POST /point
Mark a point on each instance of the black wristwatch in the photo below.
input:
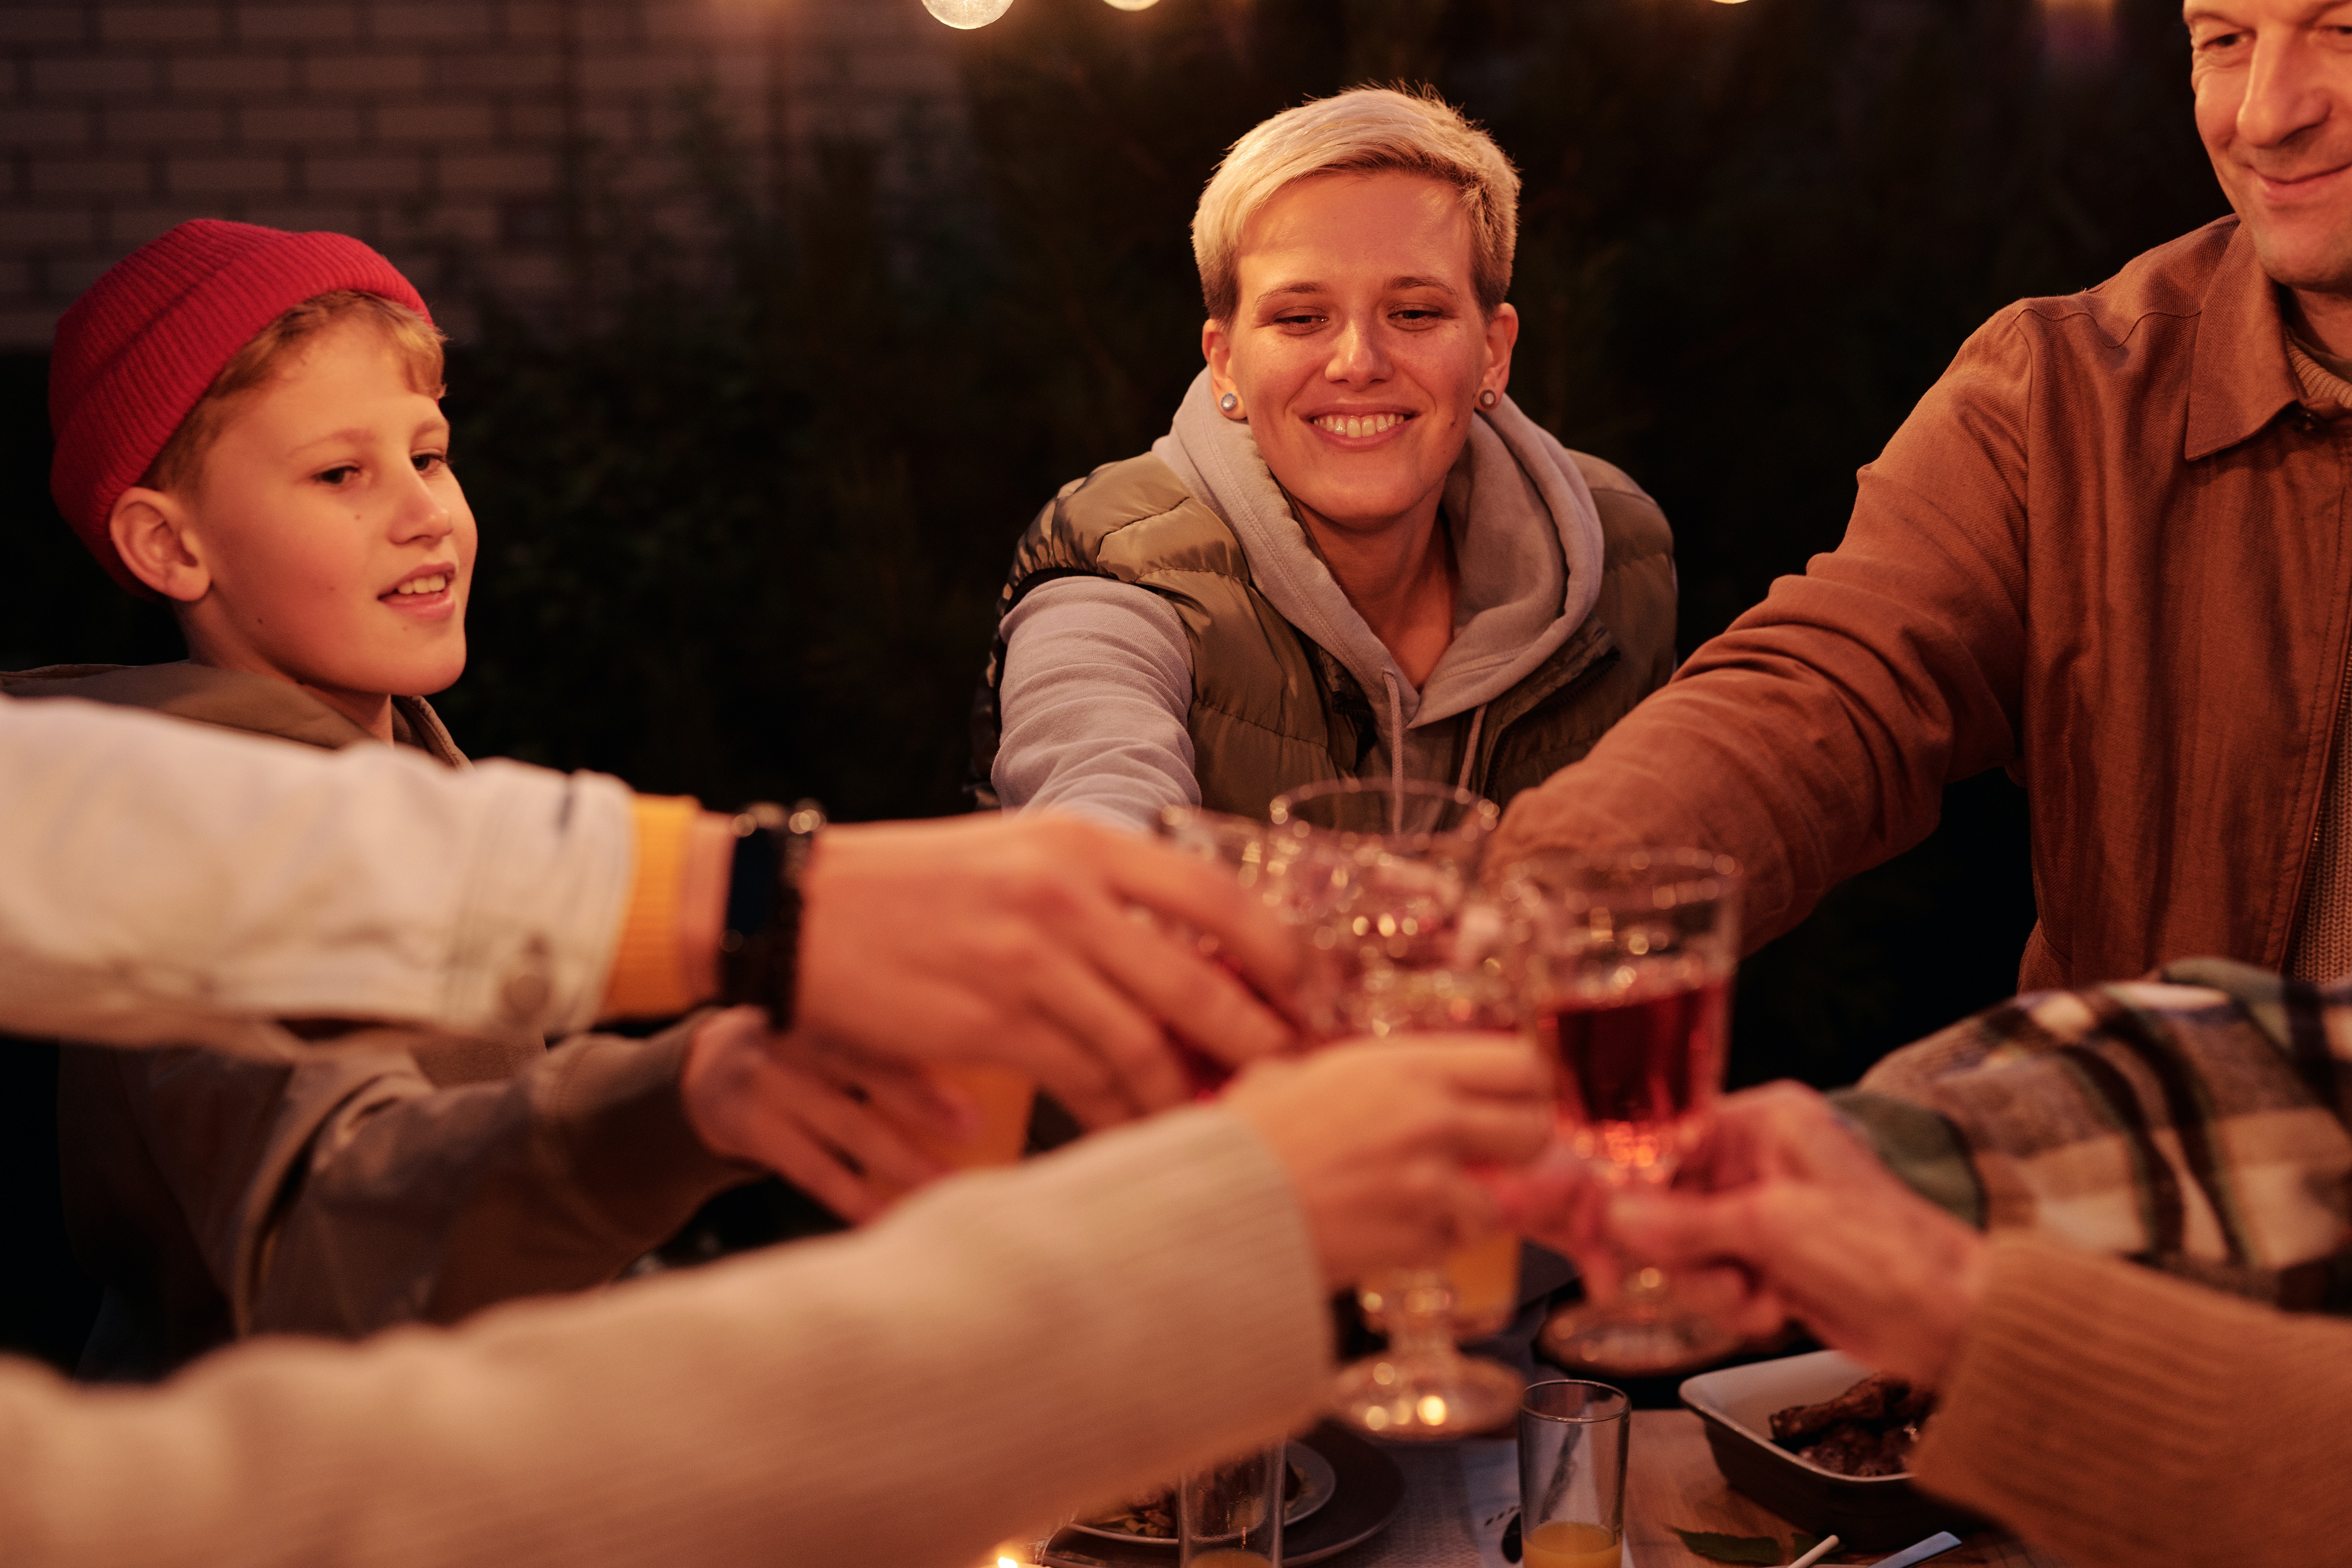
(758, 952)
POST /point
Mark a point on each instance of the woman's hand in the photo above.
(1012, 940)
(1779, 1212)
(828, 1126)
(1382, 1139)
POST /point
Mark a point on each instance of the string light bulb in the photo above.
(967, 14)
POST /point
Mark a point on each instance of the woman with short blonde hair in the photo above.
(1351, 554)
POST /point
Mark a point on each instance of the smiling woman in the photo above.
(1351, 554)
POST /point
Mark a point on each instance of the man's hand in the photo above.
(1015, 939)
(1381, 1140)
(778, 1102)
(1780, 1211)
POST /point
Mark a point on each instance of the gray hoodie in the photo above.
(1097, 675)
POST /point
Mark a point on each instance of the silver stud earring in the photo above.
(1487, 398)
(1229, 402)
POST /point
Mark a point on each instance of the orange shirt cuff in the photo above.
(649, 978)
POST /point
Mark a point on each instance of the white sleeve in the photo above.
(1097, 683)
(166, 881)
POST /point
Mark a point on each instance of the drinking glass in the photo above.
(1004, 1097)
(1572, 1443)
(1626, 962)
(1231, 1517)
(1287, 871)
(1389, 874)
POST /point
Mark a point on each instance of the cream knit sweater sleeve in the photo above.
(1006, 1346)
(2118, 1416)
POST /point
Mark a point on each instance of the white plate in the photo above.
(1316, 1482)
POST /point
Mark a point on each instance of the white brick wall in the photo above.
(433, 129)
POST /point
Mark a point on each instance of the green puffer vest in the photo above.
(1271, 711)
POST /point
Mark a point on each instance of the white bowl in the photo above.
(1870, 1513)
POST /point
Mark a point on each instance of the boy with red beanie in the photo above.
(248, 426)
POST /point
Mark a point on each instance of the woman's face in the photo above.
(1356, 350)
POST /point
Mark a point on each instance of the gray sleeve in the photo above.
(1098, 682)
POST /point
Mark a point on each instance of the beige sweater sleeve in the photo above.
(1005, 1346)
(2122, 1416)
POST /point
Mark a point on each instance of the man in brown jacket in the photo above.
(2108, 552)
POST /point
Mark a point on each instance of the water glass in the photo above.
(1573, 1437)
(1231, 1516)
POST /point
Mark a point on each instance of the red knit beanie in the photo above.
(136, 352)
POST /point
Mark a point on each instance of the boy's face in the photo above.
(336, 544)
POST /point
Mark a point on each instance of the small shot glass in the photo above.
(1572, 1443)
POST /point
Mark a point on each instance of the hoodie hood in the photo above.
(1526, 541)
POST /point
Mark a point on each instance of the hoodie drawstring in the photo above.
(1470, 751)
(1396, 754)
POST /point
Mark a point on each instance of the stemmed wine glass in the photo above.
(1627, 962)
(1383, 877)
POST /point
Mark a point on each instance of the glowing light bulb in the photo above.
(1133, 5)
(967, 12)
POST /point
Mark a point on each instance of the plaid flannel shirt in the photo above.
(2200, 1121)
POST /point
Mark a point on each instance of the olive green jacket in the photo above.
(1271, 711)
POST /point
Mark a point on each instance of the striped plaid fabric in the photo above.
(2197, 1121)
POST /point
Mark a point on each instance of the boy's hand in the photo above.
(1012, 940)
(1381, 1140)
(780, 1103)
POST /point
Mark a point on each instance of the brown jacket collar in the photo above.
(233, 700)
(2240, 378)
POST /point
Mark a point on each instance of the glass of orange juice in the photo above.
(1004, 1097)
(1484, 1277)
(1573, 1436)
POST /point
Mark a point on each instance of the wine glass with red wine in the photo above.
(1628, 961)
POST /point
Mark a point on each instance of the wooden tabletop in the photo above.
(1673, 1481)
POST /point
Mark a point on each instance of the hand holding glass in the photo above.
(1628, 961)
(1391, 872)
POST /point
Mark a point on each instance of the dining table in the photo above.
(1459, 1498)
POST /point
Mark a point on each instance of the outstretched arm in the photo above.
(169, 884)
(1089, 1323)
(1097, 683)
(1813, 739)
(2103, 1409)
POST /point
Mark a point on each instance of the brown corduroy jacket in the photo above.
(2108, 552)
(406, 1175)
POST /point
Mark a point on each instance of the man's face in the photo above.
(2273, 83)
(339, 546)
